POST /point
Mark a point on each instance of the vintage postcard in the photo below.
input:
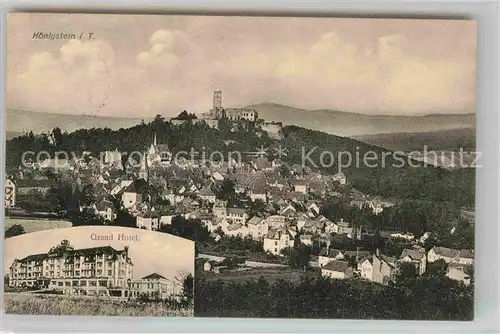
(99, 270)
(322, 167)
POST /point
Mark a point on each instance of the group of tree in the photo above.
(185, 116)
(198, 136)
(187, 228)
(233, 244)
(425, 298)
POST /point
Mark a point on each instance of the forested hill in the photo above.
(389, 175)
(383, 172)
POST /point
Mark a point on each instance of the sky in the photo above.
(143, 65)
(155, 252)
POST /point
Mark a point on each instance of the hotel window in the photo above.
(60, 283)
(77, 273)
(68, 283)
(93, 283)
(99, 272)
(109, 272)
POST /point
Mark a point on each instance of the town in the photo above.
(268, 205)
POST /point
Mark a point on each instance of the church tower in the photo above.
(144, 170)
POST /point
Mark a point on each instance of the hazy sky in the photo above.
(145, 65)
(162, 253)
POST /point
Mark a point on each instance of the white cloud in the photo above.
(165, 50)
(79, 75)
(178, 70)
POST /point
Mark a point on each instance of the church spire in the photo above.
(154, 140)
(144, 171)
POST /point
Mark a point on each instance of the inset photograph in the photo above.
(99, 271)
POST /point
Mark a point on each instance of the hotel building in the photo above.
(98, 271)
(88, 271)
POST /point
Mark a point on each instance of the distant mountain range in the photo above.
(353, 124)
(330, 121)
(450, 140)
(22, 121)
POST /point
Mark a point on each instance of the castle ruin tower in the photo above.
(217, 99)
(218, 110)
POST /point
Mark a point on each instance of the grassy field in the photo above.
(270, 274)
(33, 225)
(30, 304)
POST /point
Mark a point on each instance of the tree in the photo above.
(257, 208)
(407, 273)
(124, 218)
(437, 268)
(298, 257)
(87, 217)
(188, 288)
(14, 230)
(469, 271)
(226, 191)
(185, 116)
(57, 135)
(187, 228)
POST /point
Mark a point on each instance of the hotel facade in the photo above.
(98, 271)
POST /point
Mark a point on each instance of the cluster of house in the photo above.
(98, 271)
(383, 269)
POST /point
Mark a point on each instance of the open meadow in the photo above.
(33, 225)
(31, 304)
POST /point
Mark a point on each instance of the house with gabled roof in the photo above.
(106, 210)
(41, 185)
(135, 193)
(313, 207)
(463, 256)
(237, 215)
(237, 229)
(207, 194)
(365, 267)
(340, 178)
(337, 270)
(277, 240)
(384, 268)
(417, 257)
(258, 191)
(148, 220)
(458, 272)
(262, 163)
(288, 211)
(257, 227)
(317, 187)
(328, 254)
(301, 186)
(276, 221)
(306, 239)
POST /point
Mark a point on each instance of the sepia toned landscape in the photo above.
(321, 167)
